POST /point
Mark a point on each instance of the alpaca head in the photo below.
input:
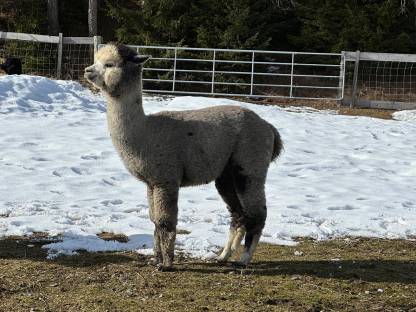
(117, 68)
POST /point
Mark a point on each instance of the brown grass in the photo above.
(336, 275)
(326, 105)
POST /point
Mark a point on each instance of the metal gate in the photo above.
(246, 73)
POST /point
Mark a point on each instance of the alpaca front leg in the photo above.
(156, 239)
(165, 214)
(167, 236)
(157, 250)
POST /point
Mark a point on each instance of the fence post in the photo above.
(59, 65)
(252, 74)
(341, 78)
(97, 42)
(355, 80)
(291, 75)
(174, 70)
(213, 72)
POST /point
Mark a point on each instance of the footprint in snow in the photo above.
(40, 159)
(112, 202)
(130, 210)
(27, 144)
(346, 207)
(106, 182)
(90, 157)
(56, 173)
(292, 207)
(408, 204)
(56, 192)
(308, 151)
(211, 198)
(80, 171)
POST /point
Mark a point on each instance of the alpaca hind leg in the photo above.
(165, 202)
(235, 236)
(241, 231)
(225, 187)
(250, 191)
(251, 240)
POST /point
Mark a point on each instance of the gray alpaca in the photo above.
(168, 150)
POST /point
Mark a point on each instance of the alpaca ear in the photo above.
(141, 59)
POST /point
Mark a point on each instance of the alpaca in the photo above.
(11, 66)
(169, 150)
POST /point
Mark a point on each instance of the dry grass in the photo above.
(336, 275)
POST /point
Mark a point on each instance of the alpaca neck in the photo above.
(125, 114)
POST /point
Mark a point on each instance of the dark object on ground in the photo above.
(12, 66)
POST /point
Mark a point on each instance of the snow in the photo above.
(405, 115)
(338, 176)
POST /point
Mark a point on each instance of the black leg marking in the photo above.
(226, 188)
(240, 180)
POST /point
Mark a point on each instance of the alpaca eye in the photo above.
(108, 65)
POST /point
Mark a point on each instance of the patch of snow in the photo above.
(405, 115)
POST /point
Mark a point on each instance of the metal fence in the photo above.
(376, 80)
(380, 80)
(247, 73)
(51, 56)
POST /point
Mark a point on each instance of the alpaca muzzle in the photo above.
(90, 74)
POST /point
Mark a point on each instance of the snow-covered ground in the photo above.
(338, 176)
(405, 115)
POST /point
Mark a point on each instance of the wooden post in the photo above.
(97, 42)
(355, 80)
(53, 17)
(59, 65)
(92, 17)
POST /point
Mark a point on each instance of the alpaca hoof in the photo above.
(238, 265)
(163, 268)
(156, 261)
(245, 259)
(220, 259)
(223, 257)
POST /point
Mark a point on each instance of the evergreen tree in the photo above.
(204, 23)
(379, 26)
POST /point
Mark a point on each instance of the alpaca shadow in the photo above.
(391, 271)
(27, 248)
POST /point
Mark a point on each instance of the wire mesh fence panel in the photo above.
(75, 57)
(383, 80)
(38, 58)
(50, 56)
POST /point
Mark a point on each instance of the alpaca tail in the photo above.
(278, 144)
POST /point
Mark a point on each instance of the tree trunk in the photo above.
(53, 20)
(92, 17)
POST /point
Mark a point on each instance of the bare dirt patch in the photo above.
(326, 105)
